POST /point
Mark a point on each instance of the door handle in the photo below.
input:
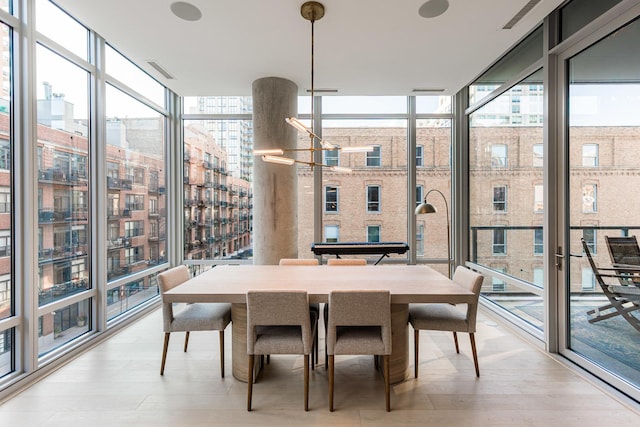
(559, 258)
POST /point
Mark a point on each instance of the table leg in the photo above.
(239, 356)
(399, 360)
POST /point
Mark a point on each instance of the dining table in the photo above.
(407, 284)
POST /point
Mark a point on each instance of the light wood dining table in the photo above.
(407, 284)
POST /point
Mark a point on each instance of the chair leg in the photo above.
(331, 361)
(222, 354)
(416, 345)
(387, 387)
(306, 382)
(250, 382)
(164, 352)
(186, 341)
(475, 354)
(268, 359)
(455, 339)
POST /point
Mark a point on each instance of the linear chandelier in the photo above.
(311, 11)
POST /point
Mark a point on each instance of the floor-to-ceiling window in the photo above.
(603, 171)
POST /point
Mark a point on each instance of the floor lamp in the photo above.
(427, 208)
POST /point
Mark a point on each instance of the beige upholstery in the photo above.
(314, 307)
(298, 261)
(447, 317)
(337, 262)
(359, 323)
(346, 261)
(194, 317)
(279, 322)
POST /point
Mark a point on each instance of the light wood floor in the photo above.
(117, 383)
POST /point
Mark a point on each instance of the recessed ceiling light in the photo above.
(433, 8)
(186, 11)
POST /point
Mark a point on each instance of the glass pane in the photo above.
(128, 73)
(136, 186)
(578, 13)
(6, 182)
(6, 5)
(64, 325)
(128, 296)
(60, 27)
(363, 104)
(433, 104)
(7, 343)
(63, 178)
(217, 187)
(604, 97)
(503, 137)
(509, 66)
(369, 195)
(434, 177)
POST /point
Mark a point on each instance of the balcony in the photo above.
(118, 184)
(120, 242)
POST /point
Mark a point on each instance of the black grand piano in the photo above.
(360, 248)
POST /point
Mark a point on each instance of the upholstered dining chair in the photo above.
(279, 322)
(194, 317)
(314, 307)
(447, 317)
(346, 261)
(337, 262)
(359, 323)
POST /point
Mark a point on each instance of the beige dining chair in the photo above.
(337, 262)
(279, 322)
(194, 317)
(359, 323)
(447, 317)
(346, 261)
(314, 307)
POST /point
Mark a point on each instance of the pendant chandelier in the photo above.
(311, 11)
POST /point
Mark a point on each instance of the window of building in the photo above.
(589, 236)
(420, 240)
(332, 157)
(373, 233)
(499, 156)
(588, 279)
(331, 233)
(419, 155)
(419, 191)
(497, 284)
(590, 155)
(330, 199)
(538, 198)
(5, 155)
(538, 155)
(5, 244)
(538, 241)
(5, 199)
(500, 199)
(499, 242)
(589, 198)
(374, 158)
(538, 277)
(373, 198)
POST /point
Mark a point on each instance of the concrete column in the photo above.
(275, 186)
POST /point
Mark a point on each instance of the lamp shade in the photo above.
(425, 208)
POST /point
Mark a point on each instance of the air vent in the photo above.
(323, 90)
(518, 16)
(423, 90)
(161, 70)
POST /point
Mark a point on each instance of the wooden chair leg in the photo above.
(455, 339)
(250, 382)
(164, 352)
(331, 361)
(416, 345)
(186, 341)
(306, 382)
(387, 387)
(222, 354)
(475, 354)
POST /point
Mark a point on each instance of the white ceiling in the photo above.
(362, 47)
